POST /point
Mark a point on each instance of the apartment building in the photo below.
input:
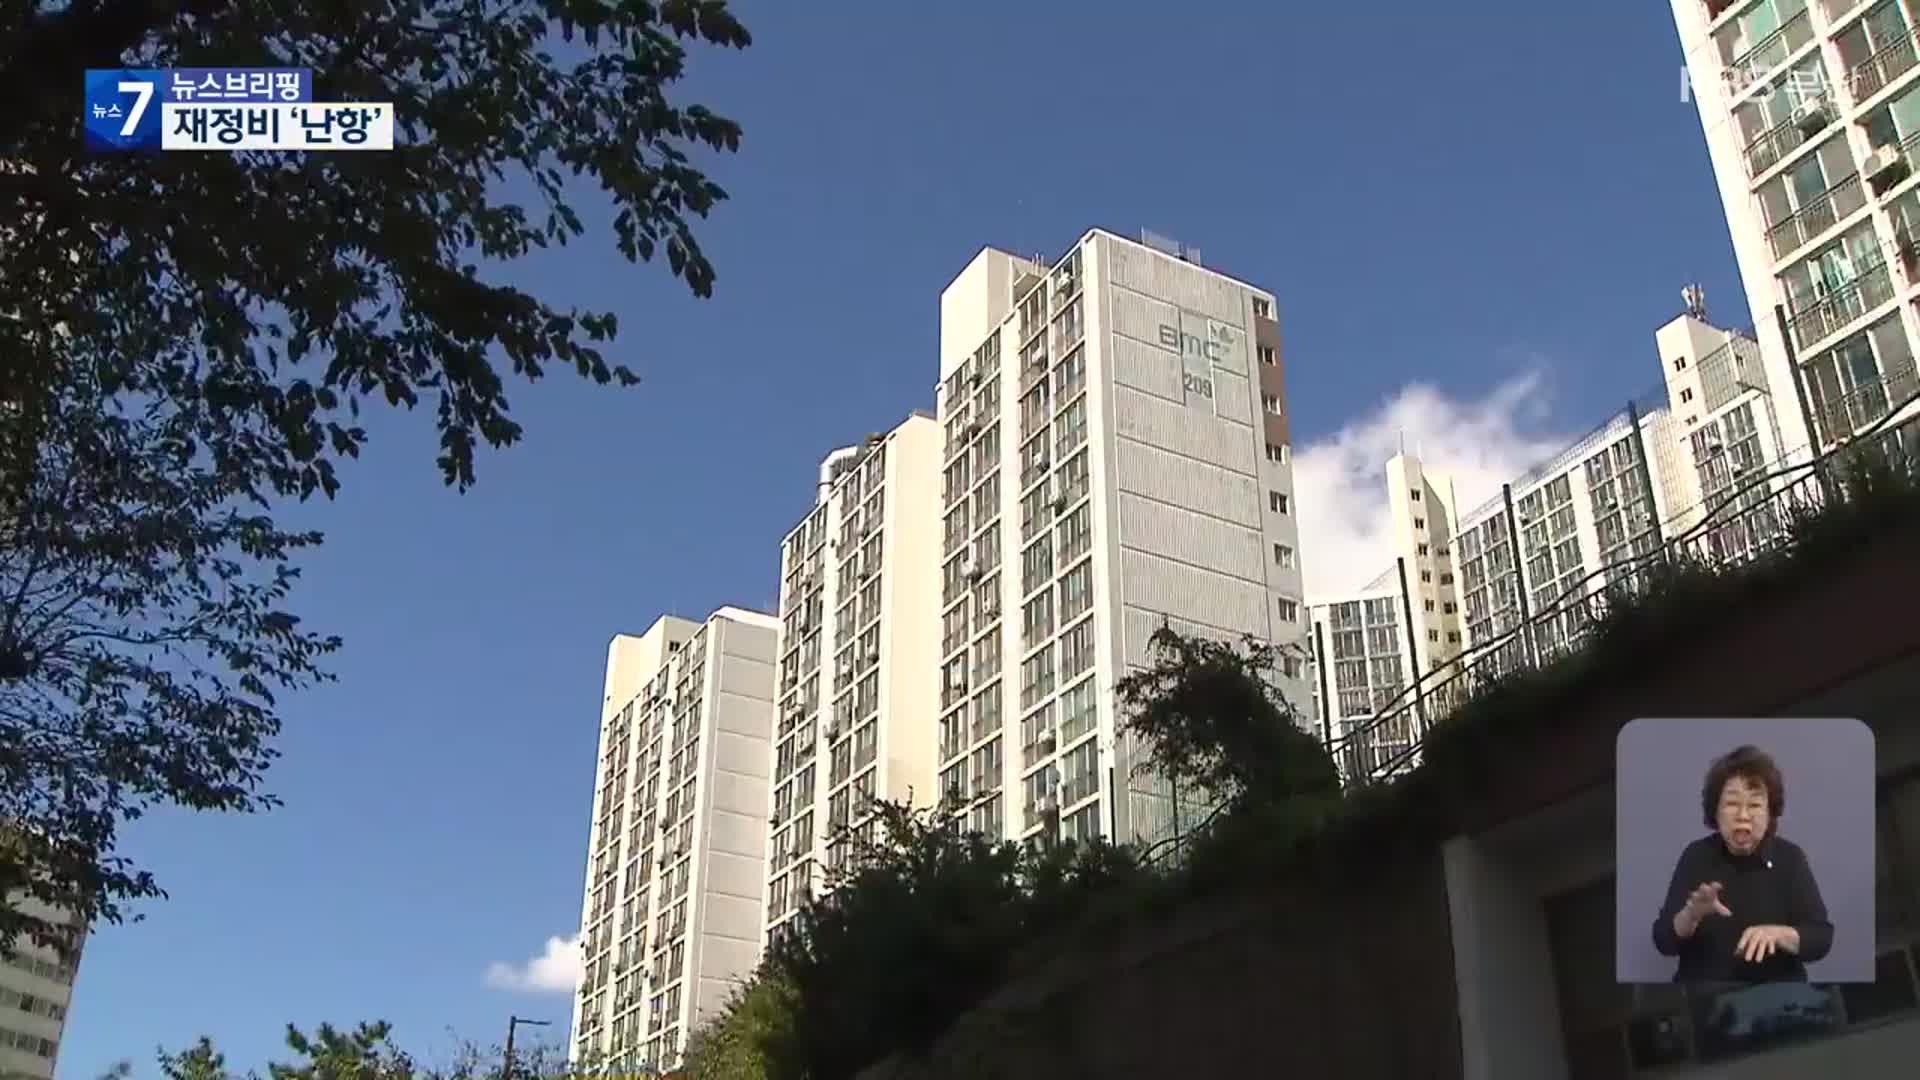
(673, 905)
(36, 990)
(1371, 647)
(1116, 456)
(1811, 112)
(858, 656)
(1727, 434)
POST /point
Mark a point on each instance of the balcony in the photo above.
(1770, 51)
(1772, 146)
(1872, 75)
(1840, 418)
(1717, 8)
(1817, 215)
(1827, 314)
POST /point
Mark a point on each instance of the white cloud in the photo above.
(1340, 481)
(555, 971)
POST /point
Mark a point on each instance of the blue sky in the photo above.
(1474, 217)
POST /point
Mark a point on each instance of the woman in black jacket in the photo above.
(1743, 905)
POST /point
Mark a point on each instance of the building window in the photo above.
(1283, 556)
(1277, 454)
(1426, 577)
(1680, 363)
(1415, 493)
(1289, 610)
(1270, 403)
(1261, 308)
(1433, 635)
(1453, 636)
(1423, 551)
(1686, 395)
(1277, 502)
(1429, 605)
(1419, 523)
(1265, 353)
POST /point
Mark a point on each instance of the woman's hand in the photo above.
(1701, 902)
(1760, 942)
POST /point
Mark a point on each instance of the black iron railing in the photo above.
(1749, 521)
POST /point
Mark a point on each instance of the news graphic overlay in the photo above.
(122, 109)
(225, 109)
(1744, 852)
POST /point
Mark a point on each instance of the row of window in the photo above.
(27, 1044)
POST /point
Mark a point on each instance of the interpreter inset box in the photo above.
(1744, 851)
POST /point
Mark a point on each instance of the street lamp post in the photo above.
(506, 1056)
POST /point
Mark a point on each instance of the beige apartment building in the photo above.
(671, 916)
(858, 656)
(1116, 456)
(36, 990)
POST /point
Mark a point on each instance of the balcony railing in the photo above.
(1871, 75)
(1868, 290)
(1864, 405)
(1771, 51)
(1817, 215)
(1771, 146)
(1763, 508)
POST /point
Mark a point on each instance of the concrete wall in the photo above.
(1301, 982)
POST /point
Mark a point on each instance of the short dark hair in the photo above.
(1755, 766)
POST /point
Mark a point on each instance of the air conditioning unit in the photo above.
(1886, 166)
(775, 819)
(1045, 743)
(1046, 804)
(873, 657)
(1813, 114)
(972, 429)
(833, 732)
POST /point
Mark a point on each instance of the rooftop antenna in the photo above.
(1696, 300)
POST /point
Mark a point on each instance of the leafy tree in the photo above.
(734, 1045)
(1209, 717)
(144, 603)
(197, 1062)
(366, 1051)
(920, 923)
(185, 339)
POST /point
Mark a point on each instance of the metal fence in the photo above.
(1751, 521)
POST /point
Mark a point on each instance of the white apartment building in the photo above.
(858, 655)
(1812, 118)
(676, 864)
(1726, 434)
(1116, 457)
(36, 990)
(1550, 534)
(1371, 646)
(1650, 473)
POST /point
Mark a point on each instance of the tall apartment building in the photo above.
(1371, 645)
(1116, 456)
(859, 655)
(1726, 434)
(36, 990)
(676, 862)
(1650, 473)
(1812, 119)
